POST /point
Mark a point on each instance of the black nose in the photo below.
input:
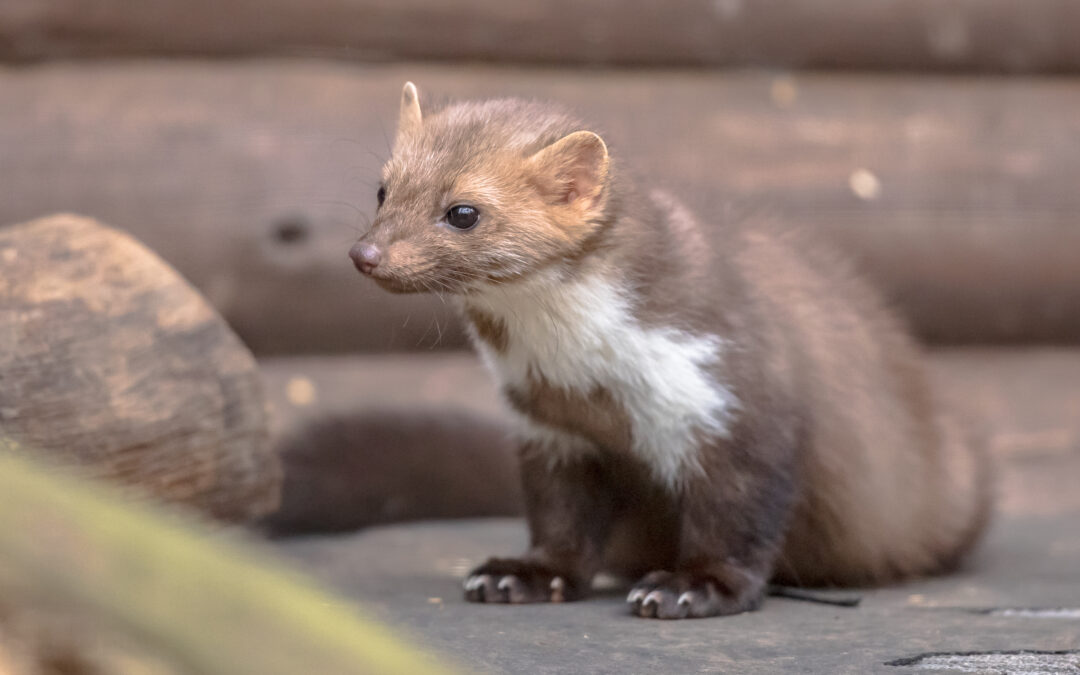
(365, 256)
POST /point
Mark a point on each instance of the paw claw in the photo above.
(503, 581)
(480, 588)
(557, 588)
(666, 595)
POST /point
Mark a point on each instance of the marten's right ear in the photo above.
(572, 170)
(409, 121)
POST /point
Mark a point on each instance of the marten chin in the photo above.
(706, 407)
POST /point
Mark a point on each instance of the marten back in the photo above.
(891, 484)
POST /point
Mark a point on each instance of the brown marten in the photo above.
(706, 406)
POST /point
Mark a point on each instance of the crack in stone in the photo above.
(1015, 662)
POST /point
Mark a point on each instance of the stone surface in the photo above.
(410, 575)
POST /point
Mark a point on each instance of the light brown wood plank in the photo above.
(987, 35)
(254, 178)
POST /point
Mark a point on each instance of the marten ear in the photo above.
(573, 168)
(409, 120)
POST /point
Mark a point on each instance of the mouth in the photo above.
(405, 285)
(404, 279)
(396, 285)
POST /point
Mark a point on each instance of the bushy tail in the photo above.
(972, 476)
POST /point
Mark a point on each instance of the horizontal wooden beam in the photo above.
(957, 195)
(425, 442)
(983, 35)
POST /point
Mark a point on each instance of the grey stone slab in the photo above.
(409, 576)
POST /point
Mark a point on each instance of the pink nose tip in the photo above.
(365, 256)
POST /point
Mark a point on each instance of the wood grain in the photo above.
(984, 35)
(112, 363)
(957, 195)
(424, 444)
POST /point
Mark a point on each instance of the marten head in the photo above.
(483, 193)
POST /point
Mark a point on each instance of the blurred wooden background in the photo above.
(937, 142)
(985, 35)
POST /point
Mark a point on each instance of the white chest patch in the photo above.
(582, 334)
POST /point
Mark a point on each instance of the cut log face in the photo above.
(111, 362)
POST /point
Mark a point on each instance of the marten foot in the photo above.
(508, 580)
(682, 595)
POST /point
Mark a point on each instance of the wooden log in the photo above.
(111, 362)
(986, 35)
(368, 421)
(90, 583)
(956, 194)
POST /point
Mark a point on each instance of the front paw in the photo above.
(506, 580)
(680, 595)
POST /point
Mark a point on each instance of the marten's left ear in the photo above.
(410, 120)
(573, 168)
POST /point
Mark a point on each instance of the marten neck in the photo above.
(649, 250)
(613, 322)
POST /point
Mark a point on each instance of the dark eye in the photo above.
(462, 217)
(381, 195)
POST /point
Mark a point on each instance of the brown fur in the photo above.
(595, 415)
(838, 468)
(490, 329)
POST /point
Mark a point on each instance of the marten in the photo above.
(707, 407)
